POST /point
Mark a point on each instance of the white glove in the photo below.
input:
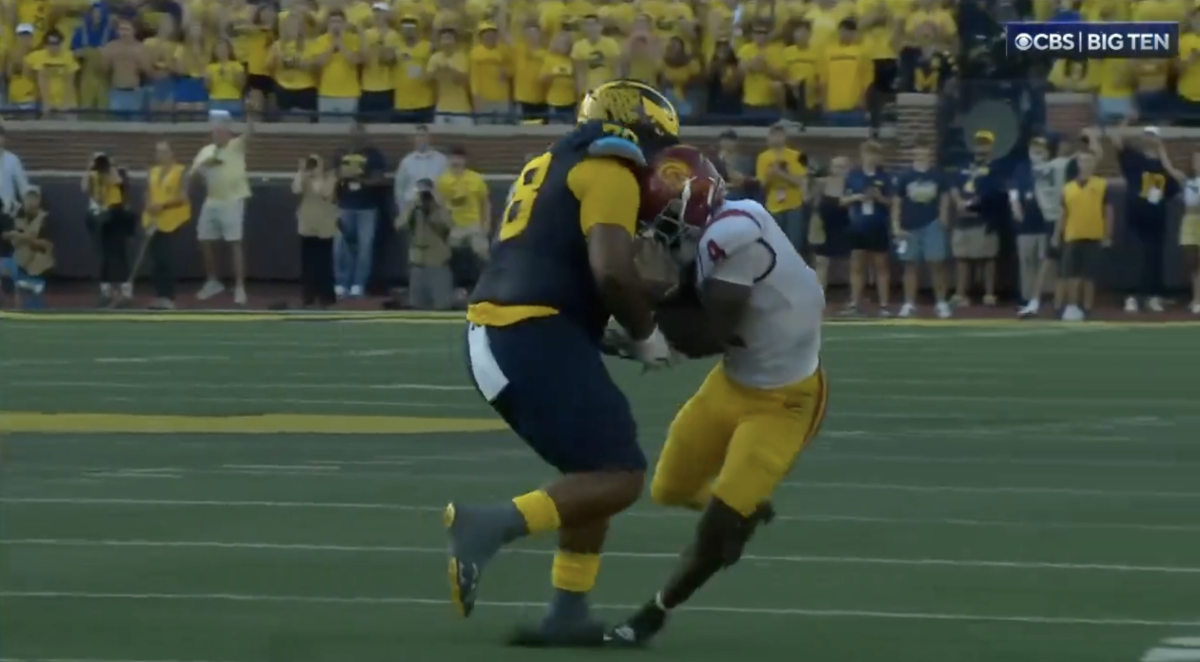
(653, 352)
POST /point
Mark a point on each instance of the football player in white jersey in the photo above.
(747, 296)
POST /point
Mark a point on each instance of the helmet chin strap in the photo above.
(686, 195)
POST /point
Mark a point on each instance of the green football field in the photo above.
(252, 490)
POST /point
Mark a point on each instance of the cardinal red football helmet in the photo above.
(680, 190)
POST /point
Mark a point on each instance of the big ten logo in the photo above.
(619, 131)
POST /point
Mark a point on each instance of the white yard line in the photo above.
(818, 456)
(609, 554)
(421, 474)
(237, 386)
(100, 502)
(746, 611)
(293, 401)
(1092, 403)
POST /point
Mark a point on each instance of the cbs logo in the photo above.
(1042, 42)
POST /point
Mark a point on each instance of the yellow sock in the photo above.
(539, 511)
(575, 572)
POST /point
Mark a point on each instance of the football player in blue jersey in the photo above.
(561, 268)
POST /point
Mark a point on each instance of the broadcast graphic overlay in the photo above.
(1086, 41)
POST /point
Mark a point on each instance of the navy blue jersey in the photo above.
(539, 265)
(920, 194)
(870, 213)
(1148, 186)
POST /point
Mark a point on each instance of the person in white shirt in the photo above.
(747, 296)
(14, 181)
(424, 162)
(1189, 227)
(222, 166)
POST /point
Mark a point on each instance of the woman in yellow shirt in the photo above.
(166, 210)
(191, 60)
(225, 79)
(295, 85)
(558, 77)
(679, 71)
(257, 39)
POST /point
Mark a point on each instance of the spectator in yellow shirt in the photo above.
(784, 175)
(1150, 82)
(415, 97)
(191, 61)
(337, 55)
(938, 17)
(528, 57)
(801, 59)
(1188, 84)
(55, 68)
(225, 79)
(257, 39)
(466, 194)
(449, 68)
(22, 83)
(491, 66)
(596, 57)
(558, 76)
(844, 74)
(295, 85)
(1112, 81)
(761, 63)
(680, 72)
(380, 51)
(643, 51)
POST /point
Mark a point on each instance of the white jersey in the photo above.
(781, 331)
(1049, 178)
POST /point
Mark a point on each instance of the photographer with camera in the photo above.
(430, 280)
(111, 224)
(318, 225)
(24, 255)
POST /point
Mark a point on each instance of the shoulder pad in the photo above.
(619, 148)
(733, 228)
(605, 139)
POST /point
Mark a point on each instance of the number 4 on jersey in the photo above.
(715, 252)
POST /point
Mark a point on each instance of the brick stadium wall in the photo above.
(42, 147)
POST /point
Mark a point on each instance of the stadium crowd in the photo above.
(459, 61)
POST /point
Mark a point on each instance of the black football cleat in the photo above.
(587, 634)
(763, 516)
(639, 629)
